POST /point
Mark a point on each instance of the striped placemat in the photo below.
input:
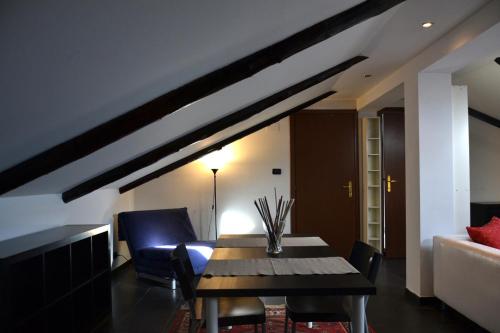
(279, 266)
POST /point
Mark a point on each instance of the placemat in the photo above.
(279, 266)
(262, 242)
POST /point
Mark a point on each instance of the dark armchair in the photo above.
(152, 235)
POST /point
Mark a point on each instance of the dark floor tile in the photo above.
(139, 305)
(392, 310)
(151, 314)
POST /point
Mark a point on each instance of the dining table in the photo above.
(214, 284)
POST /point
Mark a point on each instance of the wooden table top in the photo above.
(281, 285)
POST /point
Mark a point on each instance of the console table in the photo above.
(56, 280)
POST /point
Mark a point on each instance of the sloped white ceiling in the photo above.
(68, 66)
(81, 64)
(483, 85)
(401, 39)
(273, 111)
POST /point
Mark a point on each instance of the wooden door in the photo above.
(325, 176)
(393, 179)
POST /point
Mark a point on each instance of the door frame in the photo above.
(356, 186)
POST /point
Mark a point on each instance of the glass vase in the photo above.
(274, 244)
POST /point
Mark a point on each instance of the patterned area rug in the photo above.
(275, 323)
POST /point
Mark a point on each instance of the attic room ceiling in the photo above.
(482, 80)
(97, 60)
(402, 38)
(83, 68)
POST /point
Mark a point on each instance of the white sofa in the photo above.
(467, 278)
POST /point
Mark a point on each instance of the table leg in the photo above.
(212, 314)
(358, 314)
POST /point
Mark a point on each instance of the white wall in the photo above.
(484, 161)
(24, 215)
(482, 80)
(461, 157)
(245, 178)
(443, 165)
(435, 129)
(430, 178)
(412, 184)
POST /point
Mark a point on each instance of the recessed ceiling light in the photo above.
(427, 24)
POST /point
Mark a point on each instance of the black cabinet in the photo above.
(57, 273)
(81, 261)
(57, 280)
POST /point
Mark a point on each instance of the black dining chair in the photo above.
(366, 260)
(232, 310)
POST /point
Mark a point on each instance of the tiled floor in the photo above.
(393, 311)
(144, 307)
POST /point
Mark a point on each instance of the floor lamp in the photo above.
(215, 161)
(214, 170)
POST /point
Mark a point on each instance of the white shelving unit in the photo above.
(372, 216)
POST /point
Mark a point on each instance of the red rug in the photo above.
(275, 323)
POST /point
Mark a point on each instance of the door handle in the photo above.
(389, 182)
(349, 188)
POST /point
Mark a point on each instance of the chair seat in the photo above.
(199, 253)
(314, 308)
(236, 311)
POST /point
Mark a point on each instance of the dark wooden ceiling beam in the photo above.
(202, 133)
(129, 122)
(484, 117)
(219, 145)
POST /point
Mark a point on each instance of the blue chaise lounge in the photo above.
(152, 235)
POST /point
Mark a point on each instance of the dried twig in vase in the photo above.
(274, 226)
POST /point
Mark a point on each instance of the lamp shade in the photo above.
(217, 159)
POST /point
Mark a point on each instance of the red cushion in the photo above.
(488, 234)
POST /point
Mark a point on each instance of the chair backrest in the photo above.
(151, 228)
(184, 275)
(366, 259)
(181, 252)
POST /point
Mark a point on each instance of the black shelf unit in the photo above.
(56, 280)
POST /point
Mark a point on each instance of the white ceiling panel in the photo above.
(271, 112)
(69, 66)
(483, 85)
(402, 38)
(273, 79)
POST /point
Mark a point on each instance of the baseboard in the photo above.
(422, 300)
